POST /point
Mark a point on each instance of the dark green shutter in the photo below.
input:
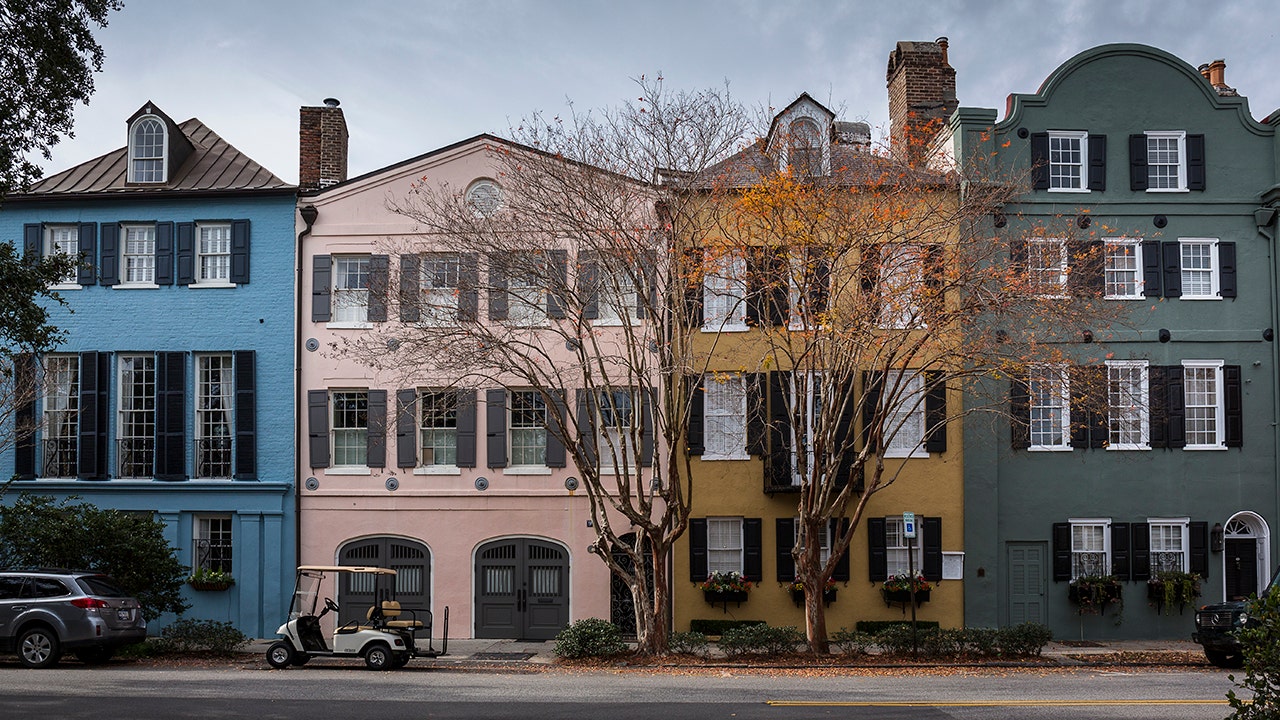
(246, 415)
(697, 550)
(752, 549)
(785, 541)
(109, 255)
(1175, 408)
(321, 287)
(407, 428)
(1078, 386)
(778, 470)
(1152, 268)
(1227, 269)
(495, 411)
(1020, 412)
(185, 244)
(841, 571)
(87, 239)
(757, 413)
(171, 416)
(1198, 540)
(376, 447)
(1140, 547)
(240, 252)
(1087, 274)
(1120, 551)
(1039, 161)
(466, 428)
(95, 381)
(1097, 162)
(1233, 405)
(164, 253)
(32, 241)
(379, 276)
(694, 282)
(1138, 162)
(24, 449)
(694, 434)
(1157, 392)
(318, 428)
(931, 552)
(877, 550)
(1195, 162)
(935, 413)
(1061, 552)
(872, 384)
(1172, 254)
(845, 440)
(410, 288)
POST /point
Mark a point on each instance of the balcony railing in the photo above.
(214, 554)
(59, 458)
(213, 457)
(136, 458)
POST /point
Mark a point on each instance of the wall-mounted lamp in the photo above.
(1215, 538)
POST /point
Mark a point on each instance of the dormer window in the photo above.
(147, 144)
(804, 148)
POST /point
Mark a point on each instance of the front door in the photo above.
(412, 562)
(1240, 557)
(622, 606)
(1026, 583)
(522, 589)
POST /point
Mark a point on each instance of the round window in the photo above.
(485, 197)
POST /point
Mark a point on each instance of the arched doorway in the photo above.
(409, 558)
(622, 606)
(522, 589)
(1246, 552)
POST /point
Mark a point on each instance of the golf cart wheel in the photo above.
(399, 660)
(39, 648)
(1224, 659)
(280, 655)
(300, 659)
(378, 657)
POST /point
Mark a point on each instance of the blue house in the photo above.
(173, 393)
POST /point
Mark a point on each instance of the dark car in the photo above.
(1216, 628)
(46, 612)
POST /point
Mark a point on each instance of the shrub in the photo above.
(895, 639)
(211, 636)
(1021, 640)
(942, 642)
(688, 643)
(1260, 640)
(760, 640)
(717, 627)
(852, 642)
(981, 641)
(589, 637)
(873, 627)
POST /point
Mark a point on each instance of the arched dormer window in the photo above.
(147, 149)
(804, 148)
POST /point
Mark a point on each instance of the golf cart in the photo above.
(386, 638)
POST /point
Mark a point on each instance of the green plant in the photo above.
(1022, 640)
(1260, 641)
(874, 627)
(718, 627)
(983, 642)
(1093, 593)
(688, 643)
(760, 640)
(852, 642)
(731, 581)
(942, 642)
(211, 636)
(589, 637)
(902, 581)
(208, 576)
(1170, 587)
(798, 586)
(895, 639)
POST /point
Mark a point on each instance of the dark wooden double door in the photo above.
(412, 583)
(522, 589)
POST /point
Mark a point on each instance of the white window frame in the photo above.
(902, 276)
(137, 269)
(1214, 270)
(439, 289)
(67, 244)
(1128, 408)
(907, 416)
(729, 554)
(724, 294)
(724, 417)
(804, 136)
(614, 436)
(895, 546)
(351, 304)
(437, 426)
(616, 296)
(526, 296)
(1039, 276)
(214, 411)
(537, 432)
(1181, 528)
(218, 531)
(1078, 548)
(139, 153)
(61, 421)
(812, 407)
(136, 424)
(801, 277)
(1111, 271)
(484, 197)
(218, 256)
(1062, 409)
(1180, 140)
(825, 551)
(1218, 407)
(341, 436)
(1081, 165)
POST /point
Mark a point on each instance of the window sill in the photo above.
(1167, 190)
(1050, 448)
(1116, 448)
(348, 471)
(725, 328)
(629, 470)
(1205, 447)
(1200, 297)
(615, 323)
(66, 286)
(526, 470)
(1068, 190)
(1124, 297)
(136, 286)
(438, 470)
(898, 454)
(209, 285)
(714, 458)
(348, 325)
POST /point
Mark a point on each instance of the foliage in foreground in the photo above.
(1261, 644)
(589, 637)
(210, 636)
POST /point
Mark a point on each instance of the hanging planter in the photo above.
(722, 588)
(897, 589)
(1091, 594)
(797, 593)
(1165, 589)
(210, 580)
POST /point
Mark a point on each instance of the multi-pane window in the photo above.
(63, 240)
(1050, 408)
(1166, 161)
(1047, 266)
(139, 254)
(824, 538)
(350, 428)
(214, 388)
(527, 298)
(1123, 274)
(1168, 545)
(901, 283)
(804, 149)
(146, 151)
(484, 197)
(1199, 260)
(351, 288)
(724, 294)
(439, 294)
(617, 296)
(617, 427)
(724, 545)
(1128, 416)
(806, 399)
(438, 428)
(528, 428)
(724, 417)
(904, 424)
(896, 546)
(1089, 550)
(214, 248)
(1202, 398)
(1067, 152)
(212, 544)
(61, 415)
(136, 419)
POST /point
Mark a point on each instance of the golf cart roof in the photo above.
(346, 568)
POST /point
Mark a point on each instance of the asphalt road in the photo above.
(350, 692)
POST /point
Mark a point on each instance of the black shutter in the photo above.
(407, 428)
(697, 549)
(935, 413)
(818, 277)
(872, 382)
(170, 436)
(1097, 162)
(495, 411)
(95, 381)
(1233, 405)
(376, 446)
(466, 450)
(1198, 540)
(1018, 255)
(869, 272)
(246, 415)
(469, 287)
(757, 287)
(410, 287)
(1140, 546)
(1020, 412)
(1172, 254)
(164, 253)
(240, 252)
(785, 541)
(588, 284)
(1195, 162)
(693, 286)
(1099, 427)
(1227, 269)
(321, 287)
(777, 467)
(586, 425)
(1078, 386)
(32, 241)
(24, 449)
(1039, 161)
(378, 279)
(497, 290)
(877, 550)
(185, 251)
(1175, 408)
(778, 294)
(1088, 275)
(318, 427)
(557, 274)
(694, 434)
(1120, 551)
(1158, 417)
(837, 528)
(109, 255)
(646, 427)
(1061, 552)
(87, 239)
(1137, 162)
(931, 557)
(557, 430)
(1152, 268)
(845, 439)
(757, 419)
(752, 549)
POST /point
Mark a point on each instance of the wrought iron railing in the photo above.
(1089, 563)
(135, 458)
(213, 457)
(59, 458)
(1166, 562)
(214, 554)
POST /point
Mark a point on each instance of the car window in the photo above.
(44, 588)
(101, 586)
(10, 588)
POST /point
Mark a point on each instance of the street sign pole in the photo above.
(909, 531)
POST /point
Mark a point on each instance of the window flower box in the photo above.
(722, 588)
(1091, 594)
(902, 597)
(1167, 588)
(797, 593)
(208, 580)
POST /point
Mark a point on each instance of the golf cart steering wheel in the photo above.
(329, 604)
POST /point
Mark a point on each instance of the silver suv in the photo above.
(44, 612)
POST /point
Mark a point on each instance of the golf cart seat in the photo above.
(385, 614)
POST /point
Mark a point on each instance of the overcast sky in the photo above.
(413, 76)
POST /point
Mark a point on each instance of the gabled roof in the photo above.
(214, 166)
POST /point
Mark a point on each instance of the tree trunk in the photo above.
(652, 633)
(815, 618)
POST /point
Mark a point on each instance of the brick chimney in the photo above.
(322, 146)
(922, 89)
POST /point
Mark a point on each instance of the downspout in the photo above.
(309, 215)
(1265, 217)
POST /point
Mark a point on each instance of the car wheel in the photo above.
(1224, 659)
(300, 659)
(378, 657)
(280, 655)
(38, 648)
(94, 655)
